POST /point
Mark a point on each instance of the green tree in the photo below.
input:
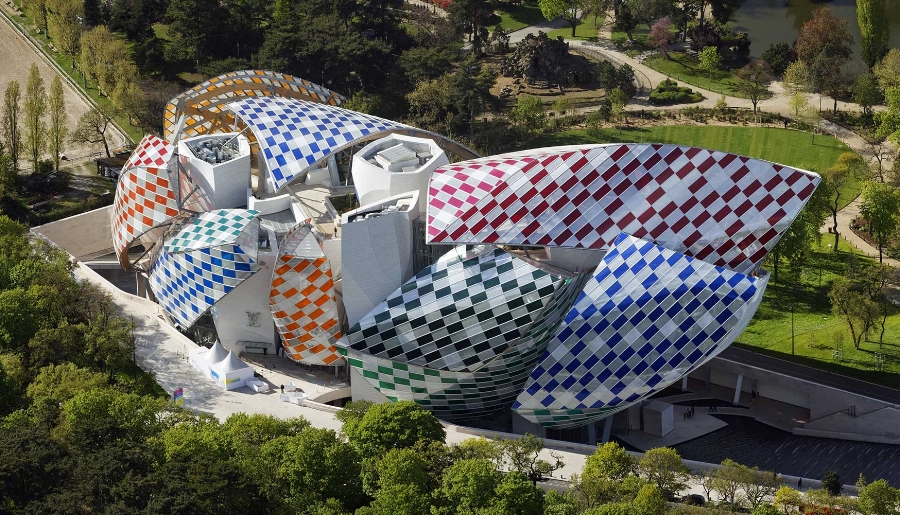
(62, 382)
(874, 28)
(765, 509)
(430, 104)
(650, 500)
(471, 92)
(563, 107)
(879, 498)
(402, 498)
(866, 92)
(194, 38)
(8, 173)
(556, 503)
(568, 10)
(59, 118)
(314, 41)
(875, 281)
(198, 484)
(400, 481)
(424, 63)
(760, 485)
(808, 115)
(831, 483)
(779, 56)
(33, 466)
(397, 467)
(92, 127)
(887, 71)
(787, 499)
(63, 25)
(755, 77)
(106, 60)
(353, 411)
(38, 11)
(888, 122)
(468, 486)
(727, 482)
(881, 207)
(796, 79)
(826, 33)
(618, 100)
(471, 17)
(478, 448)
(393, 425)
(663, 467)
(853, 306)
(710, 59)
(626, 21)
(517, 495)
(611, 461)
(314, 466)
(11, 125)
(528, 114)
(523, 455)
(33, 111)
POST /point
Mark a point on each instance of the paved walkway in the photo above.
(844, 218)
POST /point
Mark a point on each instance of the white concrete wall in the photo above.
(374, 183)
(82, 235)
(252, 295)
(269, 205)
(728, 380)
(784, 394)
(377, 258)
(227, 182)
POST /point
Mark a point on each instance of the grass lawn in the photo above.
(515, 17)
(686, 68)
(783, 146)
(586, 29)
(816, 330)
(637, 45)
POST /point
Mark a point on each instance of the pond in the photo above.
(777, 21)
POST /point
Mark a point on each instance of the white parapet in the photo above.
(220, 165)
(394, 165)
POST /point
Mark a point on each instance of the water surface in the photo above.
(779, 21)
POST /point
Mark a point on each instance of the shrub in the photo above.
(669, 92)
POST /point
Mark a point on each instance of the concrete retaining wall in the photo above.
(823, 400)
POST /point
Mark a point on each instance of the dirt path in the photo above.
(16, 57)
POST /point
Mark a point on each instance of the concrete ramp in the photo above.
(83, 236)
(880, 426)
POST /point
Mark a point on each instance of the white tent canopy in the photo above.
(216, 354)
(202, 358)
(231, 372)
